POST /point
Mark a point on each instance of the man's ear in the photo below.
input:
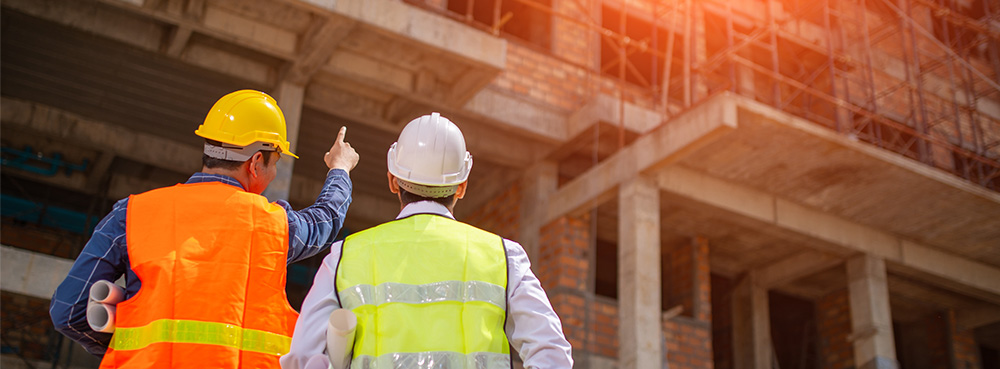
(393, 185)
(254, 164)
(460, 191)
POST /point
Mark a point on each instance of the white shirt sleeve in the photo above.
(309, 340)
(533, 328)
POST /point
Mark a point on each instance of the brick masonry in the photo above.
(501, 215)
(963, 344)
(833, 314)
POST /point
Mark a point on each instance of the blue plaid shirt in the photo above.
(105, 257)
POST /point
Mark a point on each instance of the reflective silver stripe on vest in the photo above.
(365, 294)
(433, 360)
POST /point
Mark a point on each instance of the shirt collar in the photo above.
(202, 177)
(424, 207)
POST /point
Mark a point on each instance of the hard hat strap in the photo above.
(237, 153)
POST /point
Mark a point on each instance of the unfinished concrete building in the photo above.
(699, 183)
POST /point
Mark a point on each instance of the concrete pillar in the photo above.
(537, 184)
(640, 327)
(289, 97)
(751, 325)
(871, 320)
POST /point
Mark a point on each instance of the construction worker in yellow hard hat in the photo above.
(204, 261)
(426, 289)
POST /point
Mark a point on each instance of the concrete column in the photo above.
(871, 320)
(289, 97)
(538, 183)
(751, 324)
(640, 327)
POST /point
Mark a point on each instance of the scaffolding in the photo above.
(916, 77)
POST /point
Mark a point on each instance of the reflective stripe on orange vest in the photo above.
(208, 333)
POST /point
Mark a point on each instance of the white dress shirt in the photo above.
(533, 328)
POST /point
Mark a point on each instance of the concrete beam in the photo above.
(640, 329)
(794, 267)
(141, 147)
(316, 47)
(519, 114)
(151, 150)
(871, 319)
(973, 318)
(662, 146)
(751, 324)
(919, 261)
(605, 108)
(178, 40)
(31, 273)
(422, 26)
(483, 140)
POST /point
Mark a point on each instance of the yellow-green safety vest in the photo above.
(429, 292)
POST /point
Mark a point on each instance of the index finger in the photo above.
(341, 134)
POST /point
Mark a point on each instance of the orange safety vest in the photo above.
(212, 259)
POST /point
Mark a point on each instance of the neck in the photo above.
(239, 175)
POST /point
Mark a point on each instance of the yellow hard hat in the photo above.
(244, 117)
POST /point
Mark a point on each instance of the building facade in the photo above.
(698, 183)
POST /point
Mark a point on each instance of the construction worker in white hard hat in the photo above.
(429, 291)
(204, 261)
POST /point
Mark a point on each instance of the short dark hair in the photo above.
(407, 198)
(210, 162)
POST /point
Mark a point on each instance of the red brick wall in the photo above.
(689, 336)
(562, 269)
(833, 313)
(537, 76)
(603, 338)
(688, 279)
(963, 343)
(689, 343)
(501, 215)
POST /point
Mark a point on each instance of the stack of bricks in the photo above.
(26, 325)
(833, 313)
(689, 336)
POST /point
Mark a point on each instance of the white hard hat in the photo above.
(430, 153)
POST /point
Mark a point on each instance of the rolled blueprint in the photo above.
(101, 317)
(340, 338)
(106, 292)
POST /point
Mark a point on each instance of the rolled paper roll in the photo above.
(101, 317)
(340, 338)
(106, 292)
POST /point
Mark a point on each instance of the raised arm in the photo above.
(314, 228)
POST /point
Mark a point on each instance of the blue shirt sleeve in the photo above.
(314, 228)
(102, 258)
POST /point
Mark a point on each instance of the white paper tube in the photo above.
(101, 317)
(106, 292)
(340, 338)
